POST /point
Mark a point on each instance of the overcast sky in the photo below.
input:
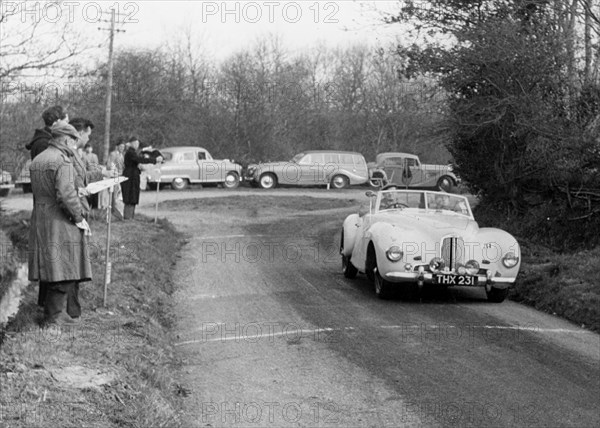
(226, 27)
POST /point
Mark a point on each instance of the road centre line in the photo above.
(299, 332)
(307, 332)
(252, 235)
(495, 327)
(225, 236)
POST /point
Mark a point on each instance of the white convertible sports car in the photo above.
(413, 237)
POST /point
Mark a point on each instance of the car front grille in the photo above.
(453, 251)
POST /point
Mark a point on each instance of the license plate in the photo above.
(446, 279)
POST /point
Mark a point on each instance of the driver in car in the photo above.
(387, 201)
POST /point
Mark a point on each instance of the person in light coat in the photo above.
(58, 239)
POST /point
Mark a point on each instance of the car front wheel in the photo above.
(267, 181)
(339, 182)
(382, 287)
(497, 295)
(232, 180)
(179, 183)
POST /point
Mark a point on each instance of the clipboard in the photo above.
(98, 186)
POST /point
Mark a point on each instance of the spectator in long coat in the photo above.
(131, 187)
(58, 238)
(85, 173)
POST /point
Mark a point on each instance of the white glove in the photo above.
(83, 225)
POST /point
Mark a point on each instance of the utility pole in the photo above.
(109, 84)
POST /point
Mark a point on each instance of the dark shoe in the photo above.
(62, 319)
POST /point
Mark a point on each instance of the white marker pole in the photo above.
(107, 264)
(157, 190)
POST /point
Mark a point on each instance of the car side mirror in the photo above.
(370, 194)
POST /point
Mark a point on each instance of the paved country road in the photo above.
(270, 333)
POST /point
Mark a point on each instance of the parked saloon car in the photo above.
(24, 178)
(413, 237)
(406, 170)
(5, 183)
(338, 168)
(189, 165)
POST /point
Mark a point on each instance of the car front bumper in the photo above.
(428, 278)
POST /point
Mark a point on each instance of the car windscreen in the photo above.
(298, 157)
(447, 202)
(392, 199)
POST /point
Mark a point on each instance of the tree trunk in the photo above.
(569, 35)
(588, 42)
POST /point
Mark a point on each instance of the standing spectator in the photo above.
(87, 165)
(41, 137)
(116, 158)
(58, 247)
(86, 171)
(131, 187)
(116, 162)
(89, 155)
(91, 161)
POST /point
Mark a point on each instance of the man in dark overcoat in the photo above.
(131, 187)
(58, 238)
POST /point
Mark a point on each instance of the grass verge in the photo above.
(559, 283)
(115, 368)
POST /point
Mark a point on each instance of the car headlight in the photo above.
(394, 253)
(472, 267)
(436, 264)
(510, 260)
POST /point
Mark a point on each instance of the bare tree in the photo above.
(35, 46)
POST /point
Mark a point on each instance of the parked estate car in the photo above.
(406, 170)
(187, 165)
(414, 237)
(338, 168)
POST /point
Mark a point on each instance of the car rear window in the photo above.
(393, 161)
(167, 155)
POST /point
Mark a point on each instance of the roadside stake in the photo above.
(96, 187)
(157, 171)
